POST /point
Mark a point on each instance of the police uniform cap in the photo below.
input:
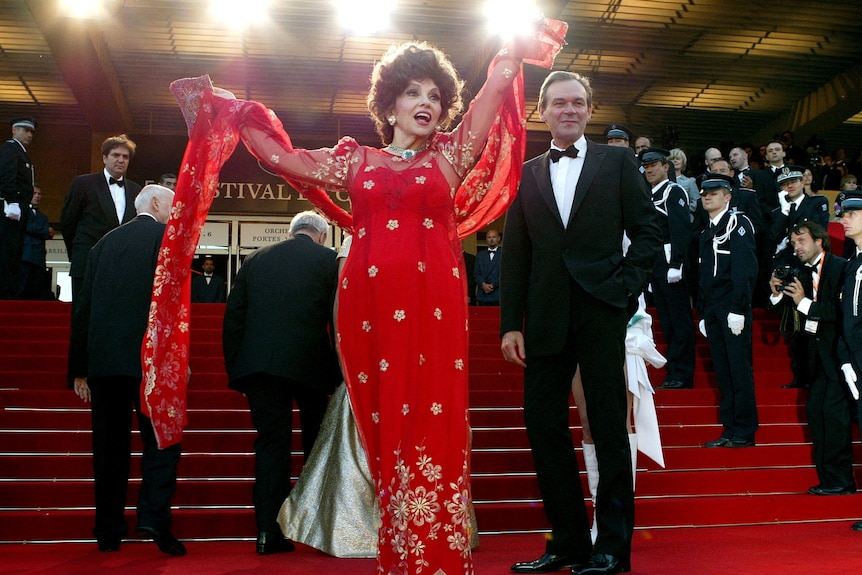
(650, 155)
(23, 122)
(788, 173)
(713, 181)
(852, 202)
(616, 131)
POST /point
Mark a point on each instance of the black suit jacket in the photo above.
(488, 271)
(203, 292)
(813, 208)
(16, 174)
(110, 319)
(611, 197)
(825, 311)
(88, 214)
(278, 318)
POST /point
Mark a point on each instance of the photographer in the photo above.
(810, 295)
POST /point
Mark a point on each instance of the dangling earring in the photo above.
(392, 120)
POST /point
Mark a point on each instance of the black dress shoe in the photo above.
(740, 442)
(108, 545)
(165, 540)
(675, 385)
(603, 563)
(269, 543)
(720, 442)
(548, 563)
(821, 490)
(856, 526)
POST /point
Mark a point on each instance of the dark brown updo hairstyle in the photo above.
(402, 64)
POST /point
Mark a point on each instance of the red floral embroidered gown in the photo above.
(402, 315)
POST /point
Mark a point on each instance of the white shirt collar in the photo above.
(714, 221)
(658, 185)
(580, 145)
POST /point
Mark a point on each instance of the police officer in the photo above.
(850, 342)
(728, 270)
(669, 290)
(617, 135)
(16, 190)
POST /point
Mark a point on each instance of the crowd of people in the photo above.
(593, 231)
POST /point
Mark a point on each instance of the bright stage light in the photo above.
(364, 17)
(81, 8)
(238, 14)
(511, 17)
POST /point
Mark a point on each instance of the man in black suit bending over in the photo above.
(97, 203)
(108, 326)
(278, 348)
(567, 294)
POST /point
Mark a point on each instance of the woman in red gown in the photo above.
(402, 316)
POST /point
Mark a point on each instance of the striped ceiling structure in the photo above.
(698, 72)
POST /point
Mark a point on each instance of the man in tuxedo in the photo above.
(32, 278)
(108, 326)
(97, 203)
(16, 189)
(487, 270)
(813, 297)
(567, 293)
(278, 348)
(208, 287)
(728, 270)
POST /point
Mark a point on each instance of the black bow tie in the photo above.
(556, 154)
(112, 181)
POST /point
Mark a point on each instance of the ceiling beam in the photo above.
(81, 55)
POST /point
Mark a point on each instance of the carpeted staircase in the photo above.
(45, 463)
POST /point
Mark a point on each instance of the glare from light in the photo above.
(240, 14)
(509, 18)
(364, 17)
(81, 8)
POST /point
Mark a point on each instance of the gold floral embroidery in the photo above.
(507, 73)
(362, 377)
(392, 224)
(436, 409)
(384, 365)
(375, 417)
(422, 267)
(438, 313)
(274, 158)
(428, 223)
(344, 283)
(361, 232)
(459, 364)
(421, 359)
(368, 184)
(366, 326)
(372, 271)
(456, 273)
(399, 315)
(405, 409)
(420, 179)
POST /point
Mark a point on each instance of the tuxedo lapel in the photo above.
(542, 175)
(105, 199)
(592, 163)
(130, 212)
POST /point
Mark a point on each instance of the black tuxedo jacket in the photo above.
(850, 342)
(825, 311)
(611, 197)
(88, 214)
(203, 292)
(109, 322)
(278, 318)
(16, 174)
(487, 270)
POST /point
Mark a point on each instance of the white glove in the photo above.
(701, 327)
(850, 378)
(674, 275)
(784, 204)
(12, 211)
(735, 322)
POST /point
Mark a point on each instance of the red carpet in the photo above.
(807, 549)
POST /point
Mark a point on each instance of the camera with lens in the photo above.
(786, 274)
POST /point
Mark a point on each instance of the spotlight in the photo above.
(364, 17)
(511, 17)
(239, 14)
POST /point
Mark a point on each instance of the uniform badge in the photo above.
(741, 231)
(682, 202)
(824, 207)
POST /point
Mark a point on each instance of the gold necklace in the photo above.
(405, 153)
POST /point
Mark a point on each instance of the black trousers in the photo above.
(270, 400)
(11, 249)
(596, 342)
(674, 314)
(732, 363)
(113, 401)
(829, 415)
